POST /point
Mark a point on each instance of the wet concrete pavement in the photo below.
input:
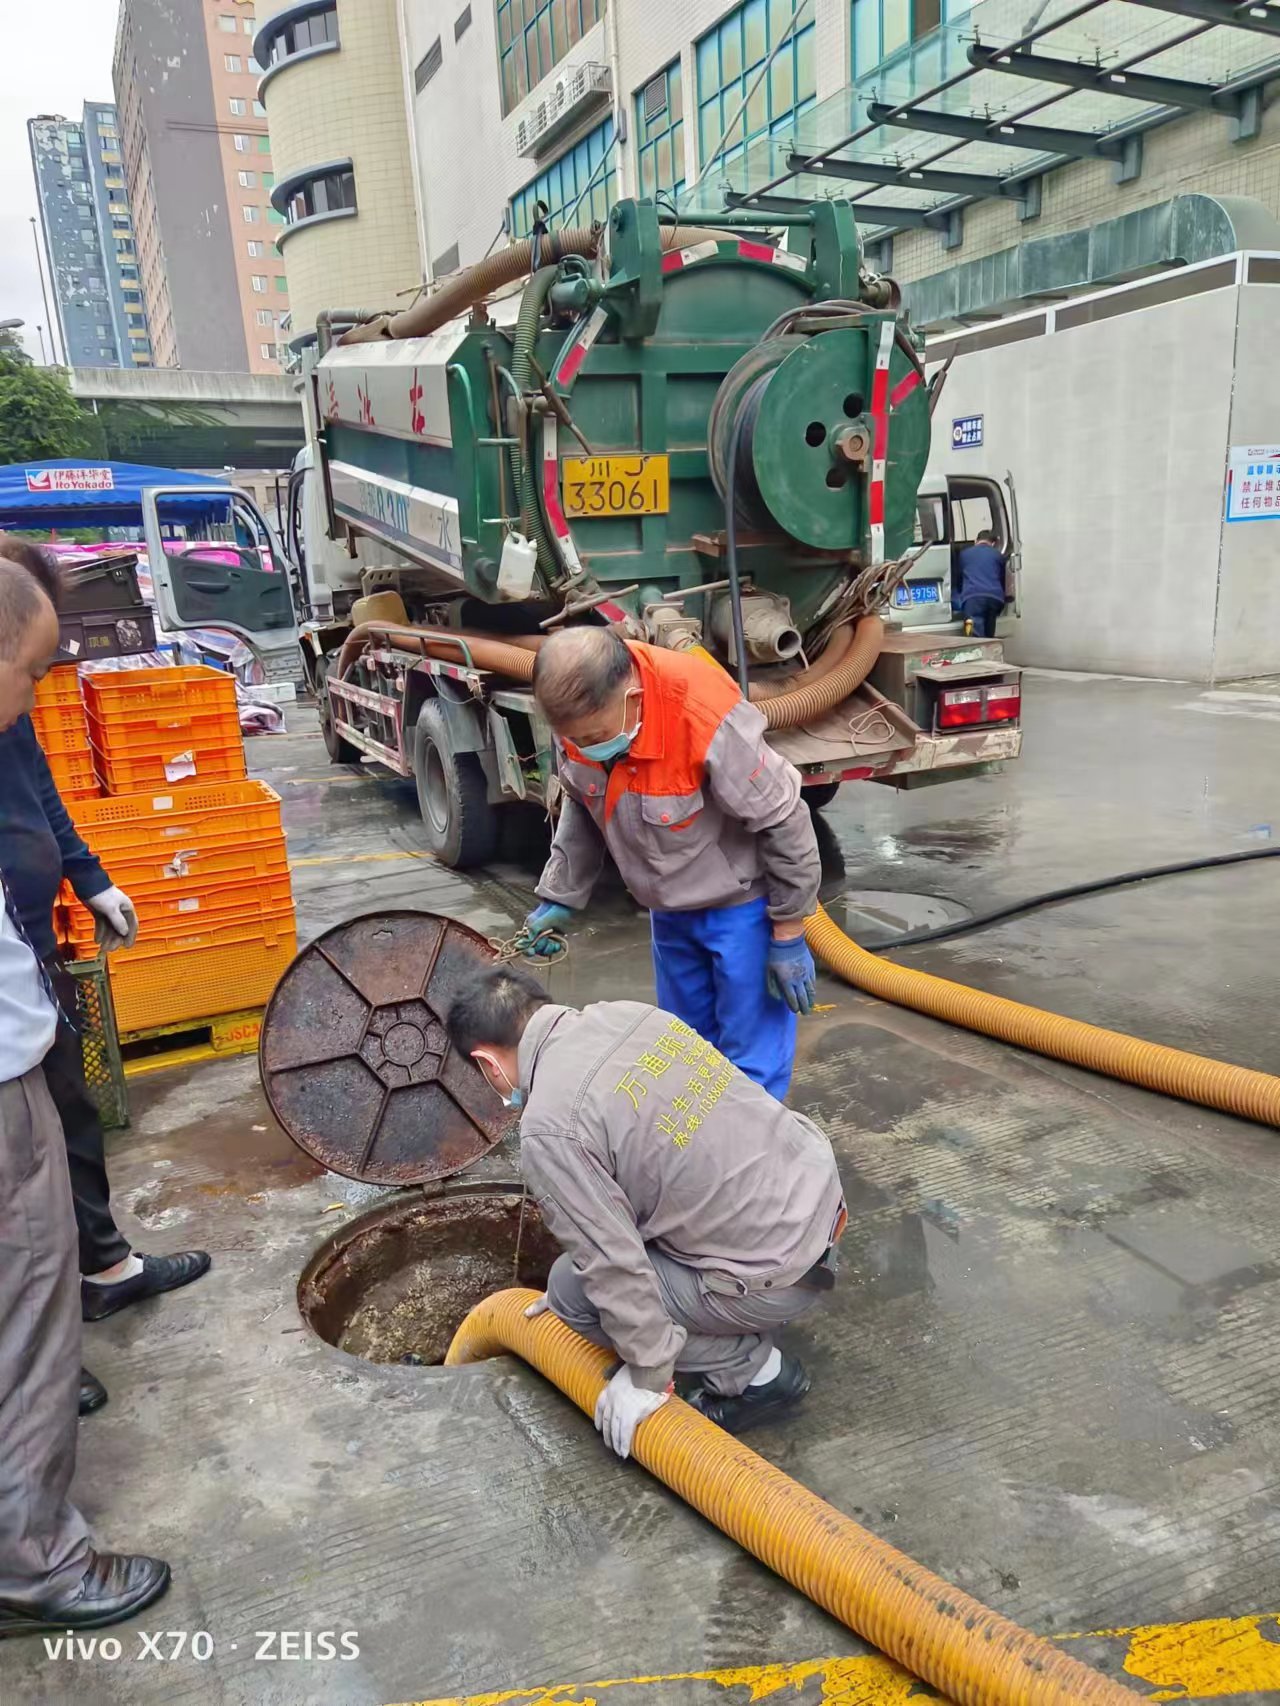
(1049, 1372)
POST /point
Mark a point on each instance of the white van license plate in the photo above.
(922, 592)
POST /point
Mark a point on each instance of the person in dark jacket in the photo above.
(39, 846)
(981, 594)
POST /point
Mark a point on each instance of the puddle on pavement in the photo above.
(394, 1285)
(872, 916)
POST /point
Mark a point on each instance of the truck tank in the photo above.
(634, 428)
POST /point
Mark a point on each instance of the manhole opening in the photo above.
(394, 1285)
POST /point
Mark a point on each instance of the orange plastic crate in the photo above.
(59, 719)
(221, 970)
(208, 815)
(73, 771)
(128, 694)
(64, 742)
(59, 686)
(164, 911)
(194, 865)
(147, 735)
(147, 770)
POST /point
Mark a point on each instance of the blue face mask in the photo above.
(516, 1098)
(602, 751)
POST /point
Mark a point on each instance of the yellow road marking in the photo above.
(1209, 1660)
(355, 859)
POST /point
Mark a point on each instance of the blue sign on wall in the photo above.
(966, 432)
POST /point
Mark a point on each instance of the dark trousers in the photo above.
(982, 612)
(101, 1242)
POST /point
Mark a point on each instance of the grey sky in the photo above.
(57, 56)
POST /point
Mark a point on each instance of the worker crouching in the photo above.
(664, 764)
(697, 1215)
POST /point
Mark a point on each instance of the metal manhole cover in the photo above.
(355, 1059)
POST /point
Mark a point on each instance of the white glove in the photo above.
(117, 923)
(539, 1306)
(621, 1408)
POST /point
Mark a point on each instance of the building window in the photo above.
(264, 145)
(231, 61)
(282, 284)
(120, 221)
(259, 111)
(226, 25)
(535, 36)
(254, 66)
(591, 161)
(729, 58)
(427, 66)
(249, 214)
(267, 351)
(103, 331)
(265, 316)
(268, 180)
(255, 249)
(327, 190)
(884, 27)
(297, 29)
(462, 23)
(660, 133)
(248, 180)
(259, 282)
(250, 24)
(238, 108)
(274, 218)
(242, 143)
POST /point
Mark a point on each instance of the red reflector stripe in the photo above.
(571, 363)
(903, 389)
(551, 498)
(673, 261)
(755, 251)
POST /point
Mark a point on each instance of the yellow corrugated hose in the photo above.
(968, 1652)
(1193, 1077)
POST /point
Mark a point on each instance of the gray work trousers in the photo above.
(44, 1542)
(730, 1338)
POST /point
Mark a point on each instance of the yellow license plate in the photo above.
(616, 485)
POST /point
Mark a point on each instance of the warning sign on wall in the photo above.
(1253, 482)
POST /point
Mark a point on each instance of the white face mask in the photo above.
(516, 1097)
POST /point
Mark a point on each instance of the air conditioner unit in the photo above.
(570, 99)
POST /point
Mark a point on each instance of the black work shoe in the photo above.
(93, 1394)
(758, 1403)
(159, 1273)
(115, 1585)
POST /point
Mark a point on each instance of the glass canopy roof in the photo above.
(993, 98)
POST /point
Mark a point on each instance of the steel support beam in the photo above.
(973, 184)
(1129, 85)
(1078, 144)
(1263, 19)
(865, 213)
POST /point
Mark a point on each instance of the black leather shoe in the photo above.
(757, 1404)
(115, 1585)
(93, 1394)
(159, 1273)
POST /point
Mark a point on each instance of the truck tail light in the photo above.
(971, 707)
(958, 707)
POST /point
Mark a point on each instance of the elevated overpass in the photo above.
(182, 419)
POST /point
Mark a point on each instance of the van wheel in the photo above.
(461, 825)
(820, 795)
(338, 747)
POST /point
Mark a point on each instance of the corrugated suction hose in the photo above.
(970, 1653)
(1193, 1077)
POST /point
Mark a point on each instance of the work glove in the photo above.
(621, 1408)
(544, 918)
(116, 925)
(791, 974)
(539, 1306)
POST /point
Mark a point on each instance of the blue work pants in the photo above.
(711, 968)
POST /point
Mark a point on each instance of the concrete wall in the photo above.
(1247, 632)
(349, 104)
(1116, 434)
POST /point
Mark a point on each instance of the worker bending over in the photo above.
(662, 762)
(697, 1215)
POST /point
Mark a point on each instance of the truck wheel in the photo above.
(461, 825)
(338, 747)
(820, 795)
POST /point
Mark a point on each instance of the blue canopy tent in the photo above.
(99, 494)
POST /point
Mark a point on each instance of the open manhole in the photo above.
(358, 1069)
(395, 1284)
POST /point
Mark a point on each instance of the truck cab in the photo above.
(951, 511)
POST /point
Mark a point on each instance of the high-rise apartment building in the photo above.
(88, 239)
(198, 164)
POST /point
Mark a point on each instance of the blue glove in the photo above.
(546, 917)
(792, 973)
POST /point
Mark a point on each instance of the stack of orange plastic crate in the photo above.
(206, 868)
(61, 729)
(158, 727)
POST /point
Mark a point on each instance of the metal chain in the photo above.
(515, 947)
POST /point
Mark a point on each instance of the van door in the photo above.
(924, 598)
(215, 563)
(1013, 560)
